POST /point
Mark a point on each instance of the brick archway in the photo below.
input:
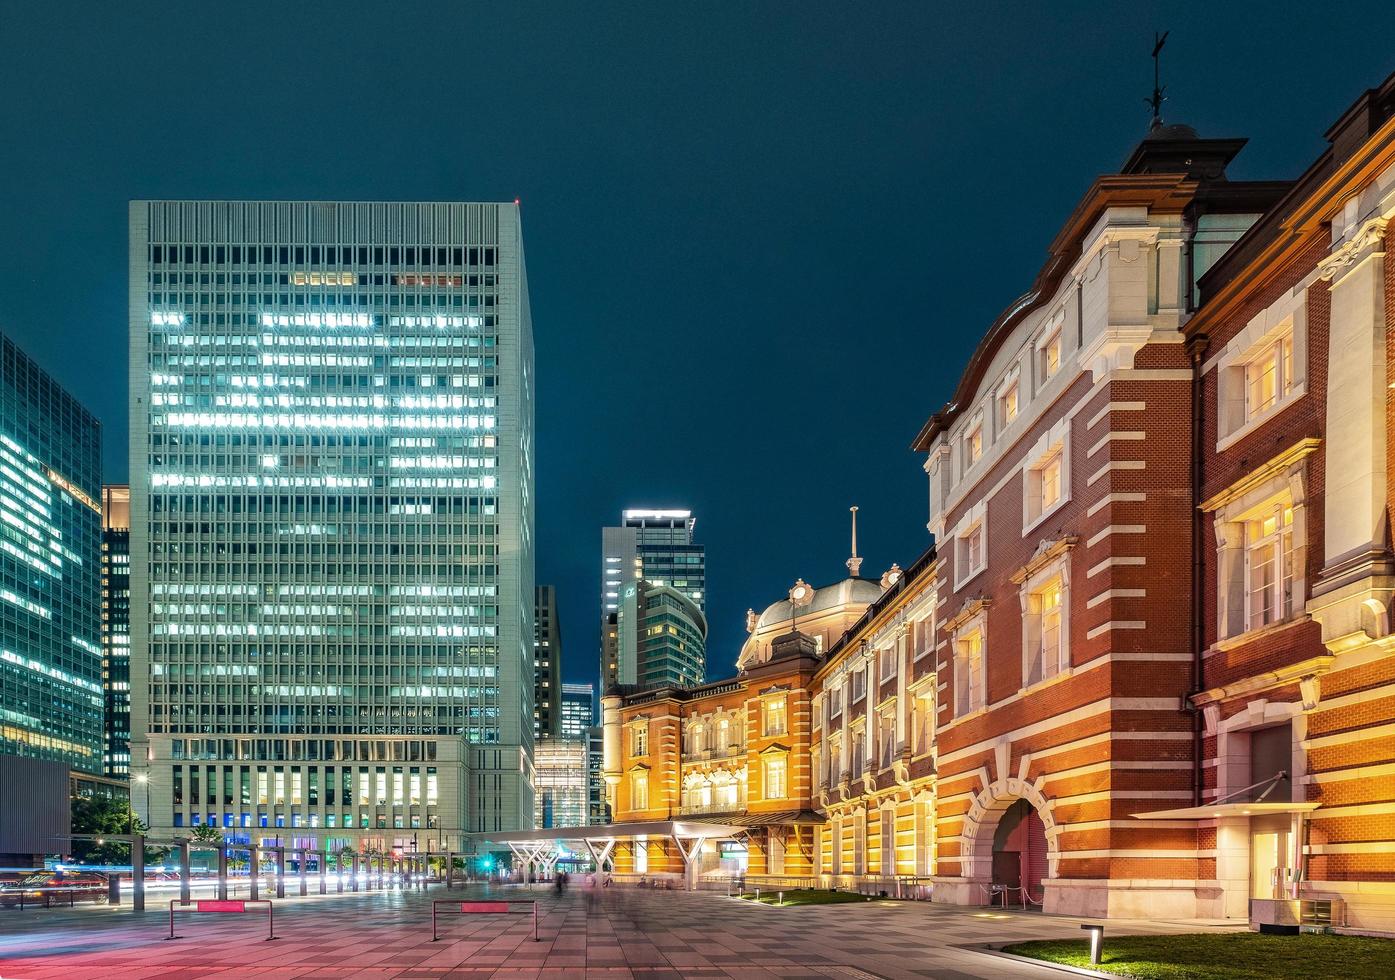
(981, 822)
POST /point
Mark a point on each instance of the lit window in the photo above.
(1049, 355)
(1269, 567)
(1046, 475)
(775, 769)
(639, 790)
(973, 445)
(1044, 630)
(775, 716)
(970, 552)
(968, 672)
(640, 743)
(1268, 377)
(1007, 404)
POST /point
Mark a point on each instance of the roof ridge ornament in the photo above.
(854, 563)
(1157, 98)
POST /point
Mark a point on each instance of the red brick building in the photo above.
(1296, 678)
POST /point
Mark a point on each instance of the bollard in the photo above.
(1096, 942)
(757, 894)
(780, 898)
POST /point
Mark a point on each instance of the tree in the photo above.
(206, 834)
(103, 815)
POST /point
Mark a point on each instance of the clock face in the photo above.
(800, 592)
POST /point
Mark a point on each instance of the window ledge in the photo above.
(1250, 636)
(1250, 425)
(1045, 682)
(1036, 521)
(973, 574)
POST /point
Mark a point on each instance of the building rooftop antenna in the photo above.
(1157, 98)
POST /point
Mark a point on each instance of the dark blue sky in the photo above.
(762, 239)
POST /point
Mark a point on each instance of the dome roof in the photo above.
(1175, 131)
(861, 591)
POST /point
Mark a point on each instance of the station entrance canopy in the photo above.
(539, 850)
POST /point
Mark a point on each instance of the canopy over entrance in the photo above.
(1216, 810)
(540, 849)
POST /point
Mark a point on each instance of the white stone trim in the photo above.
(1116, 436)
(1108, 594)
(1115, 407)
(1116, 560)
(1115, 498)
(1113, 465)
(1116, 624)
(1109, 529)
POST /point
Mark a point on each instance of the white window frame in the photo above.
(639, 778)
(1037, 667)
(768, 715)
(1279, 590)
(1051, 336)
(968, 452)
(973, 526)
(886, 663)
(1054, 444)
(768, 765)
(923, 708)
(970, 668)
(887, 816)
(1282, 480)
(1285, 322)
(1007, 401)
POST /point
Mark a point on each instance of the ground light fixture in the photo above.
(1096, 942)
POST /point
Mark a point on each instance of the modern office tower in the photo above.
(331, 519)
(578, 711)
(50, 555)
(561, 783)
(656, 546)
(547, 664)
(661, 637)
(116, 628)
(597, 811)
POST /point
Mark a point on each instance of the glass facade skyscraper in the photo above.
(547, 660)
(655, 546)
(50, 552)
(332, 519)
(116, 628)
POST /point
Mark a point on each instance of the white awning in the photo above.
(677, 829)
(1218, 810)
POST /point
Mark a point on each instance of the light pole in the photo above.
(144, 780)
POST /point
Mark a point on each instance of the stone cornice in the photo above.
(1290, 674)
(1263, 473)
(1367, 240)
(1047, 552)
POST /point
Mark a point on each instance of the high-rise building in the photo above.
(116, 628)
(655, 546)
(578, 711)
(331, 518)
(660, 637)
(547, 664)
(50, 554)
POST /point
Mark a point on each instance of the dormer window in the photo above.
(973, 445)
(1049, 354)
(1008, 404)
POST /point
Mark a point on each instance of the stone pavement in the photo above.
(613, 933)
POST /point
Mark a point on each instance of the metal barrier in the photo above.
(44, 896)
(223, 905)
(499, 906)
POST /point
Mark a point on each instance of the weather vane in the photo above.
(1157, 98)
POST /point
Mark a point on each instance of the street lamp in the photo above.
(144, 780)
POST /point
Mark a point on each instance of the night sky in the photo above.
(762, 239)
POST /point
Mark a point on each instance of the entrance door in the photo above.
(1268, 862)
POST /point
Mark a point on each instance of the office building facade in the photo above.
(331, 519)
(116, 629)
(660, 637)
(578, 711)
(655, 546)
(547, 664)
(50, 555)
(560, 786)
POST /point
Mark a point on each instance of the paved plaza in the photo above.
(610, 933)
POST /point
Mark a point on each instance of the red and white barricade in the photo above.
(499, 906)
(224, 905)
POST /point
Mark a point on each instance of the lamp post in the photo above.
(144, 780)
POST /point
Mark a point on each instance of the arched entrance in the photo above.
(1009, 839)
(1019, 851)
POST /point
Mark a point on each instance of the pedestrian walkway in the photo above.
(613, 933)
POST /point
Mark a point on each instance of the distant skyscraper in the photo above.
(116, 628)
(656, 546)
(50, 558)
(547, 664)
(331, 518)
(660, 637)
(578, 710)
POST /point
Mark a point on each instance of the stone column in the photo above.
(903, 707)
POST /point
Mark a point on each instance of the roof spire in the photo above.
(854, 563)
(1157, 98)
